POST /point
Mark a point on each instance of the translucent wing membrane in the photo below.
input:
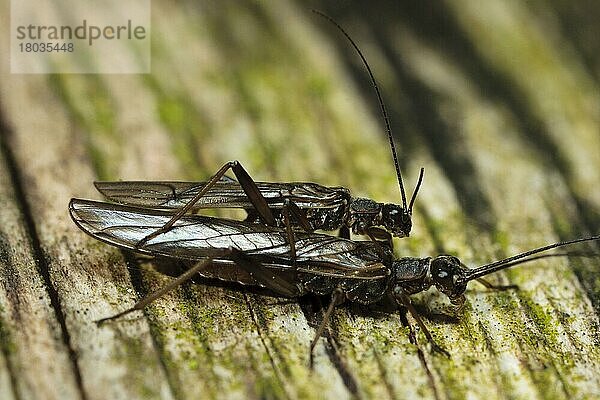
(224, 194)
(198, 237)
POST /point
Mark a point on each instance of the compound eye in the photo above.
(442, 274)
(443, 270)
(446, 278)
(447, 273)
(405, 218)
(392, 213)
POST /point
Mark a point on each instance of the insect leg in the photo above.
(269, 279)
(379, 235)
(246, 182)
(254, 195)
(291, 209)
(374, 233)
(492, 286)
(160, 292)
(336, 298)
(344, 232)
(405, 301)
(289, 232)
(299, 215)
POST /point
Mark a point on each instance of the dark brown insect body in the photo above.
(325, 208)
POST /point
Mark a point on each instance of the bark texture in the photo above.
(500, 103)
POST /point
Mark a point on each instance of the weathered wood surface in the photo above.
(500, 103)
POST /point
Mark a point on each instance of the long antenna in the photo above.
(519, 259)
(388, 127)
(417, 187)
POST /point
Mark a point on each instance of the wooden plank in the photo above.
(102, 356)
(6, 388)
(31, 339)
(49, 156)
(280, 90)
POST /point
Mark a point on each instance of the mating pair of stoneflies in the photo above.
(276, 247)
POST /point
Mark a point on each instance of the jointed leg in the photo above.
(253, 268)
(246, 182)
(405, 301)
(160, 292)
(336, 298)
(299, 215)
(289, 209)
(344, 232)
(289, 232)
(381, 238)
(263, 276)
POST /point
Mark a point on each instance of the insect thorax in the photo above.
(411, 275)
(363, 214)
(366, 213)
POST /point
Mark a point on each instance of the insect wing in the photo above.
(157, 194)
(196, 237)
(226, 193)
(191, 238)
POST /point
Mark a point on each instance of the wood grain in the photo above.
(499, 103)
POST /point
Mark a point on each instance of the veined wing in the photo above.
(226, 193)
(196, 237)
